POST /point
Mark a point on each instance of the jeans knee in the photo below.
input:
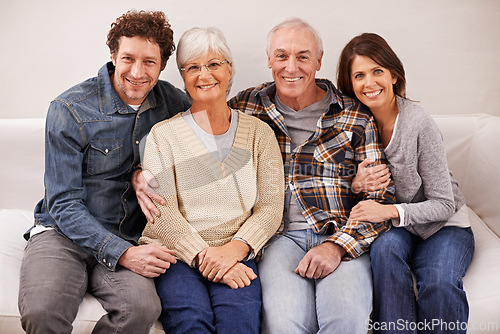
(388, 254)
(443, 284)
(42, 320)
(32, 318)
(145, 310)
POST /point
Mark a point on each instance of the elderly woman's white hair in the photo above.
(197, 42)
(295, 22)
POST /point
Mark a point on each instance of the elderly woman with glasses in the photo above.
(220, 174)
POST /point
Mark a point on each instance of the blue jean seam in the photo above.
(465, 255)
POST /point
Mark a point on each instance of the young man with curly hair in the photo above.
(87, 225)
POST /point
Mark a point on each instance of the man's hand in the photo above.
(370, 178)
(372, 211)
(149, 260)
(320, 261)
(239, 276)
(214, 262)
(144, 182)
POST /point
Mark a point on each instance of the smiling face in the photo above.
(372, 84)
(207, 87)
(293, 58)
(137, 68)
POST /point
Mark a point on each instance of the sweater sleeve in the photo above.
(171, 229)
(268, 209)
(434, 202)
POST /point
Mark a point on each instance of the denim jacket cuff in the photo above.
(112, 249)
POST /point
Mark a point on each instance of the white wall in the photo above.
(450, 48)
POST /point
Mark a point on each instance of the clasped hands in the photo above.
(222, 264)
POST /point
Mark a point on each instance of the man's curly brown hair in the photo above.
(152, 25)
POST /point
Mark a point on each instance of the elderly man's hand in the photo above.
(149, 260)
(320, 261)
(144, 182)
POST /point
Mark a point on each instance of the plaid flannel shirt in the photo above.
(320, 171)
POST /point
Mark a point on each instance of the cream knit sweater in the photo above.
(209, 203)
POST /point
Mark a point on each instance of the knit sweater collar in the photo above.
(237, 155)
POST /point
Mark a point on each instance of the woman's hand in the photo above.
(373, 212)
(215, 262)
(238, 276)
(370, 178)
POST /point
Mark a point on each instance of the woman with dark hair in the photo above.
(430, 233)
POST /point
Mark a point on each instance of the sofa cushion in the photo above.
(481, 279)
(13, 223)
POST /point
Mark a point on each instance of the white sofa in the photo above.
(473, 148)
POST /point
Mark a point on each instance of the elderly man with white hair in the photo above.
(315, 274)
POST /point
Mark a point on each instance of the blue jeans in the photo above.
(193, 304)
(339, 303)
(438, 263)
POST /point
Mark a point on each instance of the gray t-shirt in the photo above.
(218, 145)
(301, 125)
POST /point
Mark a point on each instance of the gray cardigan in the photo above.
(417, 161)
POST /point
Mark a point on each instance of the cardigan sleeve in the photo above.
(171, 229)
(268, 209)
(434, 202)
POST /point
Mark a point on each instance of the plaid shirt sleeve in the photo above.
(356, 236)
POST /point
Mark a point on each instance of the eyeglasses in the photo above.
(211, 67)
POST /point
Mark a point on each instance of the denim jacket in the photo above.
(91, 150)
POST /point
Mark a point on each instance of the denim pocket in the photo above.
(104, 156)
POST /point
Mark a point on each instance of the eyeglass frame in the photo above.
(184, 69)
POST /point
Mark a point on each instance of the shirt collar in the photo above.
(270, 91)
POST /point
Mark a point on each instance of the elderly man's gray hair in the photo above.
(292, 23)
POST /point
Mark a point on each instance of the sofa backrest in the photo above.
(21, 170)
(473, 149)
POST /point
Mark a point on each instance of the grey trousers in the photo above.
(55, 275)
